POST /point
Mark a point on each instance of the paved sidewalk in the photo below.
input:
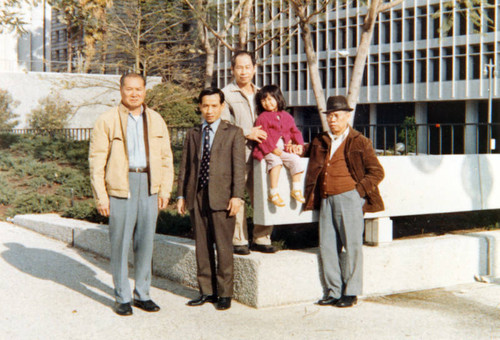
(51, 291)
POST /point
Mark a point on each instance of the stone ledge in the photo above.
(289, 277)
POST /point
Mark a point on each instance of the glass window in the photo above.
(474, 62)
(460, 63)
(422, 65)
(333, 73)
(397, 71)
(386, 69)
(295, 77)
(422, 23)
(434, 64)
(410, 25)
(447, 58)
(332, 35)
(303, 76)
(373, 69)
(409, 72)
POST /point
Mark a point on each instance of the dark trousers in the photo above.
(210, 226)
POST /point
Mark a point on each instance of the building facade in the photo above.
(413, 69)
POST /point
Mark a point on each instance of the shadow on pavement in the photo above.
(157, 282)
(50, 265)
(443, 302)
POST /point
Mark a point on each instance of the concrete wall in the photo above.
(413, 185)
(89, 95)
(288, 277)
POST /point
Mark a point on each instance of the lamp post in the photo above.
(489, 70)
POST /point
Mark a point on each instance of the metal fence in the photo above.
(437, 138)
(177, 134)
(69, 133)
(387, 139)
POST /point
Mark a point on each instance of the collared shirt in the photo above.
(337, 140)
(135, 141)
(213, 129)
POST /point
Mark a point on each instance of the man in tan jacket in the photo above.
(240, 111)
(131, 172)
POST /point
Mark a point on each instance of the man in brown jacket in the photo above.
(211, 184)
(341, 181)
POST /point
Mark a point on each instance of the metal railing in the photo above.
(79, 134)
(435, 138)
(387, 139)
(177, 133)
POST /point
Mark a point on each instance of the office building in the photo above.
(412, 70)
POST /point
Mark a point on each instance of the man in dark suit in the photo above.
(211, 183)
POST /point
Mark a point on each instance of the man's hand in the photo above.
(257, 134)
(234, 205)
(103, 209)
(297, 149)
(181, 206)
(162, 203)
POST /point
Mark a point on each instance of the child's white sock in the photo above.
(273, 191)
(296, 186)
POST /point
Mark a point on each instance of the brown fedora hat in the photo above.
(337, 103)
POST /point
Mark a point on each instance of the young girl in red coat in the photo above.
(282, 137)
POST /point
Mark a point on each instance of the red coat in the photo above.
(277, 125)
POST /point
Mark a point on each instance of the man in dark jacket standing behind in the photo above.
(341, 181)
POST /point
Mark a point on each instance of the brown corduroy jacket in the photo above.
(362, 163)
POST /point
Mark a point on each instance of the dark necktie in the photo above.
(205, 159)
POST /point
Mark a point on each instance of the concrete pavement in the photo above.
(52, 291)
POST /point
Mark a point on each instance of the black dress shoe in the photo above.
(123, 308)
(328, 301)
(241, 250)
(264, 248)
(224, 303)
(347, 301)
(148, 306)
(202, 299)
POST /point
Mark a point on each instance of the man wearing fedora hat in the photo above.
(341, 181)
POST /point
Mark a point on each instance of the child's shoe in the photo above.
(297, 194)
(276, 200)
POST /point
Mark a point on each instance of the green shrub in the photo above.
(171, 223)
(76, 180)
(175, 103)
(85, 210)
(7, 139)
(6, 191)
(7, 161)
(7, 116)
(33, 202)
(52, 113)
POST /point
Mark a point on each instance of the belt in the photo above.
(138, 170)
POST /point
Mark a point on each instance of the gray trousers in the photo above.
(133, 219)
(341, 228)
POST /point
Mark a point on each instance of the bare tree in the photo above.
(374, 9)
(214, 28)
(12, 17)
(154, 36)
(306, 11)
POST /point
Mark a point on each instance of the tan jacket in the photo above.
(238, 112)
(108, 155)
